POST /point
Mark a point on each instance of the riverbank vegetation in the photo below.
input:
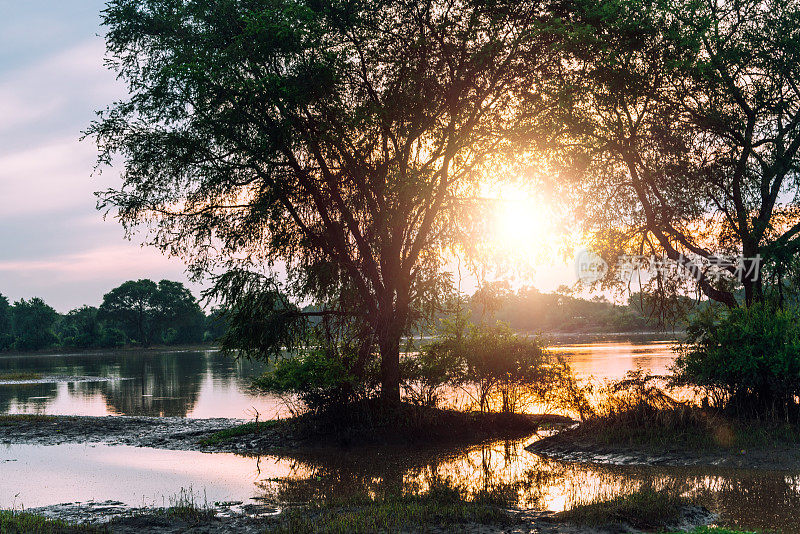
(474, 381)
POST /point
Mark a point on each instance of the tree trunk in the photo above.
(390, 373)
(389, 335)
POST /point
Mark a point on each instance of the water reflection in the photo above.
(612, 359)
(754, 500)
(184, 384)
(37, 476)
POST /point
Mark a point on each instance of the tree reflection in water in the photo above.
(745, 499)
(147, 384)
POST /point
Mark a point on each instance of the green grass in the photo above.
(234, 432)
(8, 420)
(646, 508)
(19, 375)
(184, 506)
(440, 507)
(13, 522)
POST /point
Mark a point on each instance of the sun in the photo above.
(520, 224)
(523, 226)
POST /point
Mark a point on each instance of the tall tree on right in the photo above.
(676, 131)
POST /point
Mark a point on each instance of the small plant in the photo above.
(321, 380)
(441, 505)
(20, 522)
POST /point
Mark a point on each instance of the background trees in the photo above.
(335, 138)
(6, 324)
(132, 307)
(165, 313)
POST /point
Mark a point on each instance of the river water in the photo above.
(208, 384)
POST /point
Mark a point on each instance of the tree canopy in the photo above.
(678, 133)
(337, 140)
(147, 311)
(33, 324)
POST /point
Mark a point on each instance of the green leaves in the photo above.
(750, 355)
(261, 322)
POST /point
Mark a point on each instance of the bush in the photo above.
(746, 360)
(427, 374)
(499, 369)
(320, 380)
(504, 367)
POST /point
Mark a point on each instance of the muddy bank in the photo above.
(177, 433)
(174, 433)
(567, 447)
(115, 518)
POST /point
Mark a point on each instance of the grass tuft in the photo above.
(440, 507)
(15, 522)
(681, 428)
(245, 429)
(646, 508)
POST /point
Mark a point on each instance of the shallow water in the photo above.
(207, 384)
(39, 476)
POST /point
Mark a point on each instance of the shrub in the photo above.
(428, 373)
(320, 380)
(503, 365)
(746, 359)
(498, 368)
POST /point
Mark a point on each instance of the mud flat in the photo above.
(566, 447)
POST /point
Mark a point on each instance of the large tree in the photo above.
(331, 138)
(146, 310)
(678, 133)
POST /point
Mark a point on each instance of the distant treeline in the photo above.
(528, 310)
(137, 313)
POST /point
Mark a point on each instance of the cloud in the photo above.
(124, 261)
(53, 243)
(55, 96)
(68, 280)
(52, 176)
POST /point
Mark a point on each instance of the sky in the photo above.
(54, 244)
